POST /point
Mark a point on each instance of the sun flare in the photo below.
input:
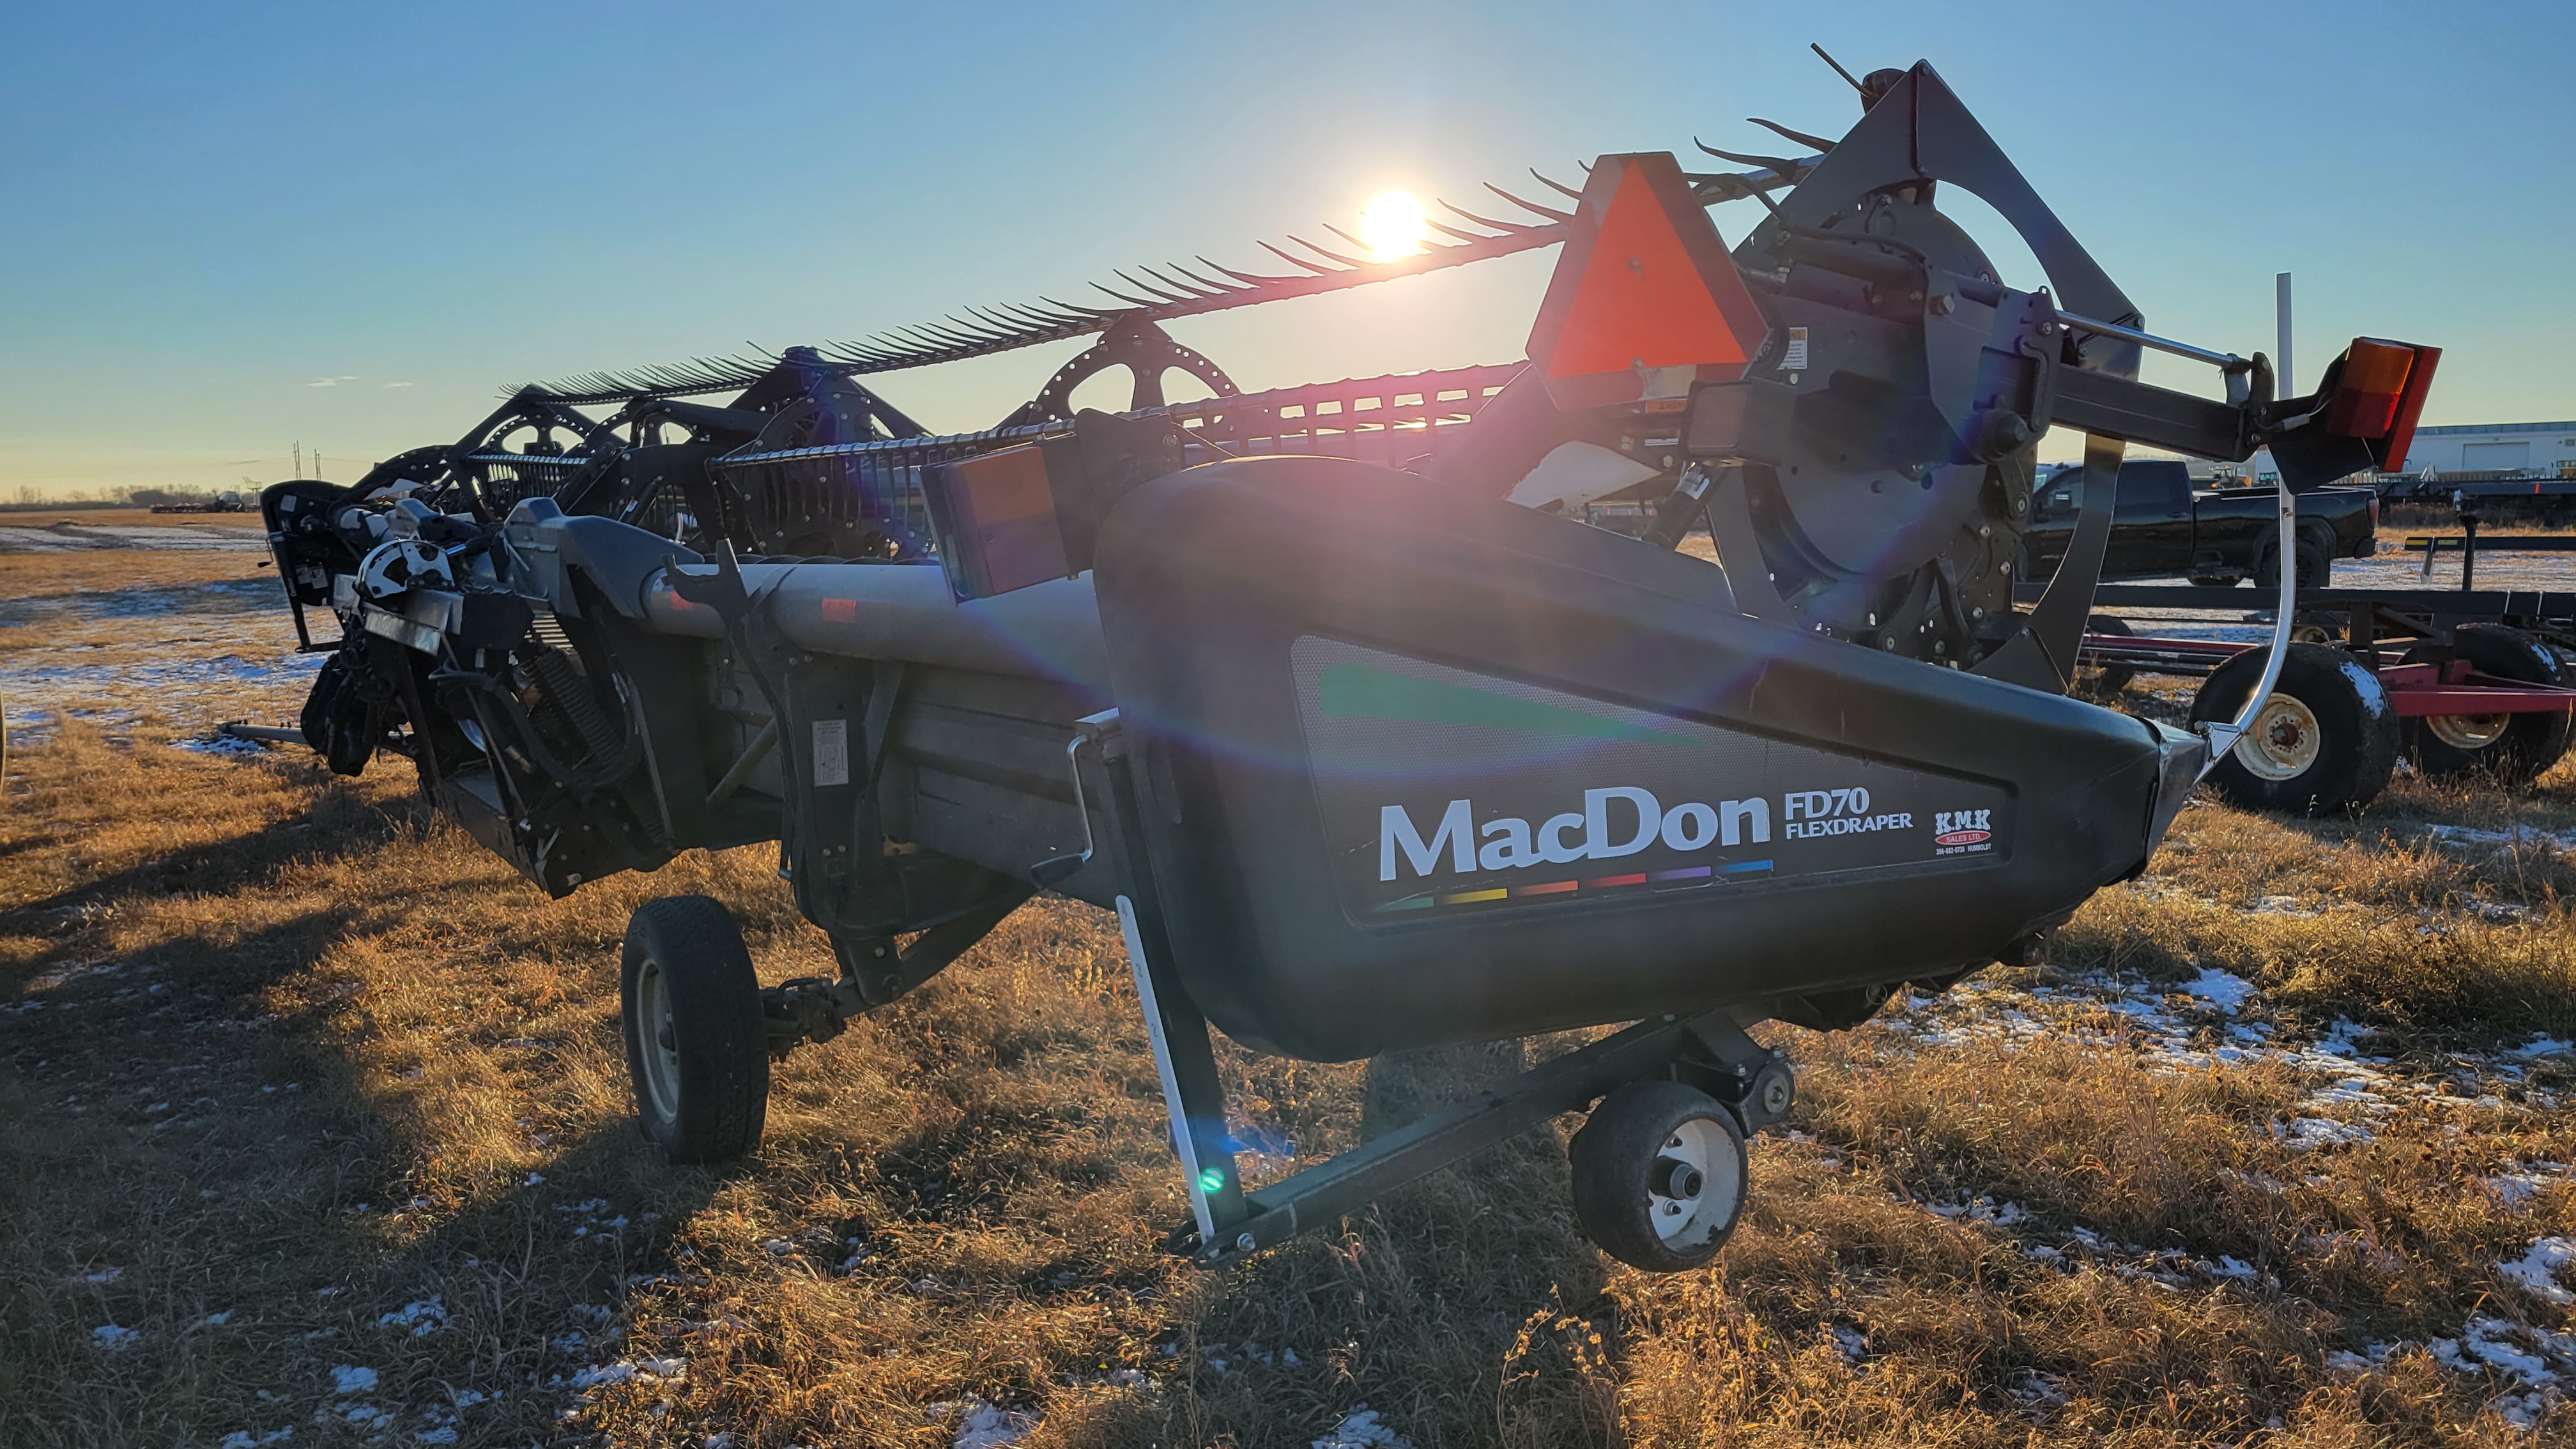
(1394, 225)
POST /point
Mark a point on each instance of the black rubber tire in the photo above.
(1620, 1172)
(2111, 678)
(2530, 744)
(707, 1095)
(2311, 567)
(2356, 731)
(2314, 564)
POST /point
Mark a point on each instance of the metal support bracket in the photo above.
(2042, 654)
(1184, 1058)
(1570, 1083)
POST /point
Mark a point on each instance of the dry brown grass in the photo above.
(391, 1071)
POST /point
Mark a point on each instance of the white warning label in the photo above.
(831, 752)
(1795, 358)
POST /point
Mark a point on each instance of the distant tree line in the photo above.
(33, 499)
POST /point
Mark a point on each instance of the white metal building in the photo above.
(2542, 448)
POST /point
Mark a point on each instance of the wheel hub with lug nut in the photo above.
(1685, 1211)
(2283, 742)
(662, 1059)
(2468, 731)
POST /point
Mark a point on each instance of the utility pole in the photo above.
(2281, 292)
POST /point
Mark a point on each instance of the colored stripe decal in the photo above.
(1552, 888)
(1470, 897)
(1749, 865)
(1409, 903)
(1697, 872)
(1355, 691)
(1607, 881)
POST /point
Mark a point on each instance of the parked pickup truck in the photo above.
(2161, 526)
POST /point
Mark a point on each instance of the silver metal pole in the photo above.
(2281, 293)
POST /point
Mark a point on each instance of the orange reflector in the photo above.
(2365, 399)
(995, 519)
(1645, 300)
(2391, 450)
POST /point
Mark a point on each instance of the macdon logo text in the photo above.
(1593, 834)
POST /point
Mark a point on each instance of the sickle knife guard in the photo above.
(1325, 691)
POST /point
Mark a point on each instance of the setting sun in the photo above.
(1393, 225)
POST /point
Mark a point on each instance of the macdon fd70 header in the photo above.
(1366, 741)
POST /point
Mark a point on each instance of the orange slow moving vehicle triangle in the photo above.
(1635, 294)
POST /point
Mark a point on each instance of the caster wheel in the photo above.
(696, 1048)
(1659, 1176)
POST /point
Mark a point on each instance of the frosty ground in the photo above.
(313, 1130)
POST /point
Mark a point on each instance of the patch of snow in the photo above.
(2220, 989)
(1362, 1429)
(2541, 1046)
(988, 1426)
(228, 746)
(1851, 1341)
(111, 1338)
(103, 1275)
(350, 1379)
(1982, 1210)
(2034, 1387)
(2537, 1271)
(423, 1318)
(2522, 1411)
(244, 1439)
(2306, 1132)
(2464, 836)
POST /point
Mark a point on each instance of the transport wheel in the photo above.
(2513, 748)
(696, 1048)
(1659, 1176)
(2111, 678)
(2325, 740)
(2311, 567)
(2314, 565)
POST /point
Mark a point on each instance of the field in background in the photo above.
(313, 1118)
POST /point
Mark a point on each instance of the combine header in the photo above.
(1366, 743)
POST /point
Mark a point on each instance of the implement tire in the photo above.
(2325, 741)
(2512, 749)
(2110, 678)
(1659, 1176)
(697, 1050)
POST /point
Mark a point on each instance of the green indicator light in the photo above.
(1212, 1179)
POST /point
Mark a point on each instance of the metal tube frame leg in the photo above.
(1183, 1056)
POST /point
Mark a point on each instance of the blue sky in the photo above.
(205, 211)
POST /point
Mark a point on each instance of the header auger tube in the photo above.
(1325, 691)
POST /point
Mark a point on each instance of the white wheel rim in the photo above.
(1689, 1221)
(2283, 742)
(2468, 731)
(658, 1046)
